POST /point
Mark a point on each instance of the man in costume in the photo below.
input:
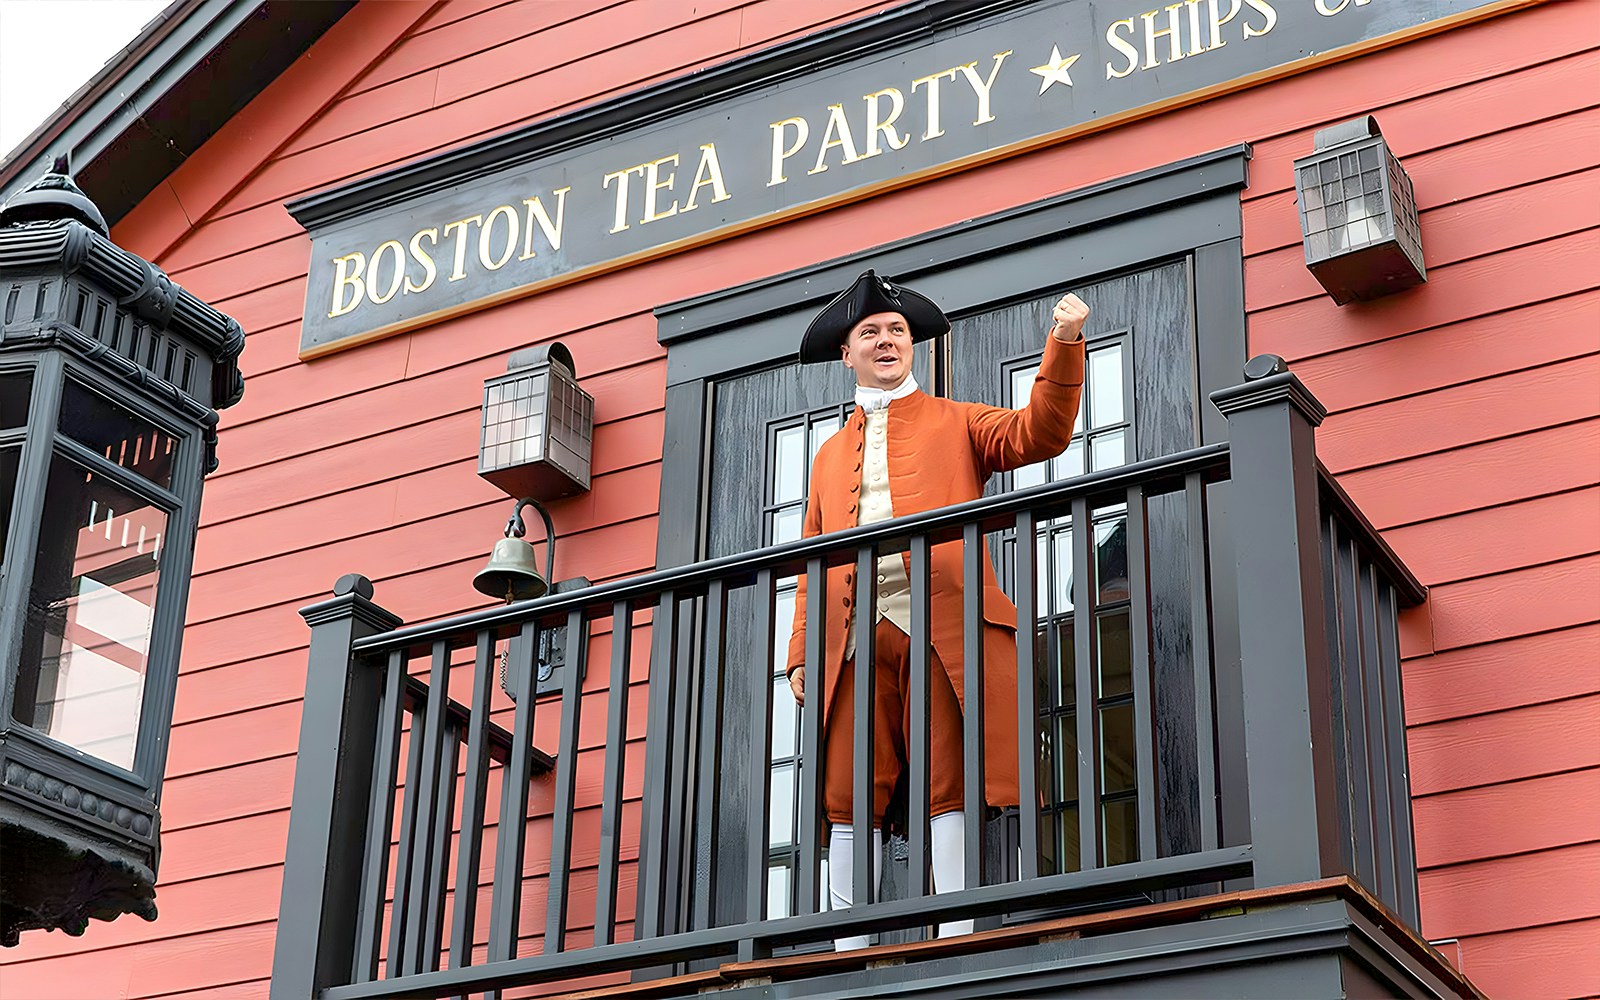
(902, 452)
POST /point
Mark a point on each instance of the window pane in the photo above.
(1071, 857)
(8, 492)
(1105, 381)
(1116, 749)
(1111, 559)
(1061, 593)
(1022, 386)
(1067, 757)
(788, 471)
(780, 808)
(778, 879)
(87, 635)
(1066, 666)
(822, 430)
(787, 525)
(785, 719)
(15, 388)
(1106, 450)
(783, 623)
(1029, 475)
(1069, 464)
(1116, 656)
(1121, 831)
(125, 439)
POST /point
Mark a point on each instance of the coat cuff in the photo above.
(1063, 361)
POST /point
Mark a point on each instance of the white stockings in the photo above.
(949, 869)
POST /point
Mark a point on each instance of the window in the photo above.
(792, 443)
(1102, 439)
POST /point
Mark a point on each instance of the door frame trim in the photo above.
(1191, 206)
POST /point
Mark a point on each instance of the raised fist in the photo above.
(1070, 315)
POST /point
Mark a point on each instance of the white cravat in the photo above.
(872, 400)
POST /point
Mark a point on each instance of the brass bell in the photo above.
(512, 573)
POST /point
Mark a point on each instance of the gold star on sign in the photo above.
(1055, 71)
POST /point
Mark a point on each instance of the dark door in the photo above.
(1140, 402)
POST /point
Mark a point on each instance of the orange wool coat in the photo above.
(941, 452)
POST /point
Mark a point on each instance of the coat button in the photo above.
(847, 602)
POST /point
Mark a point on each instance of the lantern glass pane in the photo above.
(130, 441)
(15, 389)
(87, 635)
(8, 490)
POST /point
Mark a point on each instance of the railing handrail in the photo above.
(790, 558)
(1411, 590)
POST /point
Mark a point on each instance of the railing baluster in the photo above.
(428, 744)
(605, 906)
(1394, 730)
(758, 776)
(808, 882)
(1372, 734)
(972, 729)
(566, 779)
(917, 692)
(1027, 696)
(864, 891)
(1083, 625)
(680, 796)
(404, 870)
(444, 799)
(380, 817)
(506, 904)
(658, 738)
(1348, 669)
(474, 792)
(1199, 568)
(1138, 553)
(708, 785)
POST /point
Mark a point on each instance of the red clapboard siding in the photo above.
(1468, 169)
(1506, 746)
(1449, 418)
(1491, 822)
(1536, 963)
(1501, 675)
(1537, 599)
(1451, 233)
(1477, 476)
(1506, 893)
(1479, 543)
(1523, 337)
(215, 958)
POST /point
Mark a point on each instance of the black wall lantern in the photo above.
(538, 426)
(110, 381)
(1358, 214)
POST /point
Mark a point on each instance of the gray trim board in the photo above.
(186, 75)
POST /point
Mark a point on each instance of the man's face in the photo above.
(878, 350)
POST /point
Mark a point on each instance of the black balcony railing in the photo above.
(1293, 726)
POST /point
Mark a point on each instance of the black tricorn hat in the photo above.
(871, 293)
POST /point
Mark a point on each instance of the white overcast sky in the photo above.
(50, 48)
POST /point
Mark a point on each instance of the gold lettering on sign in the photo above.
(780, 152)
(879, 127)
(394, 281)
(424, 258)
(835, 134)
(486, 237)
(460, 227)
(707, 173)
(1137, 39)
(1328, 10)
(981, 86)
(538, 215)
(621, 177)
(653, 185)
(931, 81)
(1265, 9)
(346, 276)
(1117, 42)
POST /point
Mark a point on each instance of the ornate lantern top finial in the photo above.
(54, 196)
